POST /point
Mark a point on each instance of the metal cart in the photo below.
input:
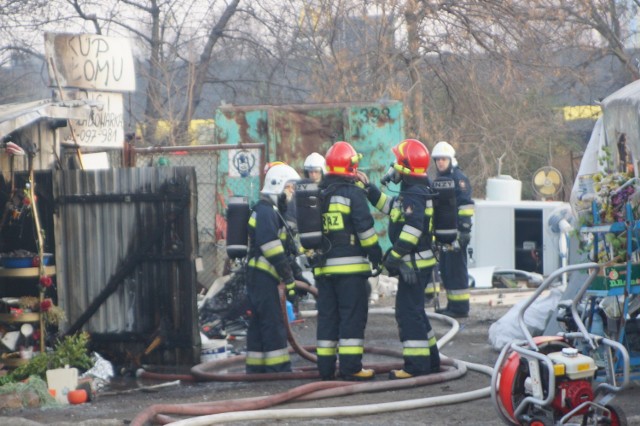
(621, 279)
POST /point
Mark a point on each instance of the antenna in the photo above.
(500, 163)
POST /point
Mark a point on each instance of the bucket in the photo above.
(213, 349)
(504, 188)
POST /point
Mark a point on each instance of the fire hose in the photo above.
(245, 409)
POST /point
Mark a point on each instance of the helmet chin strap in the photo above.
(282, 202)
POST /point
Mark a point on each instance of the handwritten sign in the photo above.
(105, 126)
(90, 61)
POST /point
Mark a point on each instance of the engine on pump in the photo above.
(526, 381)
(546, 380)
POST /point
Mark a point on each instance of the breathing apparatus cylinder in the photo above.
(238, 213)
(445, 211)
(309, 214)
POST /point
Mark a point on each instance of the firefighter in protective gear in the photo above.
(453, 263)
(411, 256)
(349, 245)
(314, 167)
(268, 266)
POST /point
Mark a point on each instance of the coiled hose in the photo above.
(253, 408)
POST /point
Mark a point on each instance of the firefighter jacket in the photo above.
(463, 197)
(409, 220)
(269, 241)
(349, 237)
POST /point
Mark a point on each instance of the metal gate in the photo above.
(126, 241)
(217, 179)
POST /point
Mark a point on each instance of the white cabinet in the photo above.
(515, 235)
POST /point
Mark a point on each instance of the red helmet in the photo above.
(342, 159)
(412, 157)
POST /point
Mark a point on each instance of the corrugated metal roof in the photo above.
(16, 116)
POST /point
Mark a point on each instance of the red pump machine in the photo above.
(547, 380)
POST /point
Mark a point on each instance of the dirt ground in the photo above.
(123, 403)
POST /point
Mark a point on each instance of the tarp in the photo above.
(621, 115)
(617, 130)
(588, 166)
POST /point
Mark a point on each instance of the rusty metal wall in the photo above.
(246, 137)
(132, 230)
(292, 132)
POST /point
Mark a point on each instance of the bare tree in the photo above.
(464, 71)
(599, 27)
(485, 75)
(179, 54)
(175, 41)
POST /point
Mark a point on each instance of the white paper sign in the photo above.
(244, 162)
(105, 126)
(90, 61)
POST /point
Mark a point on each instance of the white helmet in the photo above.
(444, 150)
(277, 177)
(315, 161)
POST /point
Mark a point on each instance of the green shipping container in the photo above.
(291, 132)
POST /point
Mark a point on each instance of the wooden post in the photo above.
(73, 133)
(40, 242)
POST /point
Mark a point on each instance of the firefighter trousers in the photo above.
(455, 279)
(267, 350)
(343, 307)
(419, 349)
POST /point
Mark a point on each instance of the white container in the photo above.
(504, 188)
(576, 365)
(213, 349)
(63, 381)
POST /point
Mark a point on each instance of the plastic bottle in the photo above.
(290, 314)
(597, 328)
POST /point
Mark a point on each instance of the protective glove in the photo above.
(375, 255)
(395, 265)
(376, 269)
(299, 277)
(291, 288)
(407, 273)
(362, 180)
(464, 238)
(362, 177)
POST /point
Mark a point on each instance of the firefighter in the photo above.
(349, 245)
(453, 262)
(268, 266)
(314, 166)
(410, 256)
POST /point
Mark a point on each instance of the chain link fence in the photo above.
(215, 185)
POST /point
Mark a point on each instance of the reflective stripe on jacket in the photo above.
(348, 229)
